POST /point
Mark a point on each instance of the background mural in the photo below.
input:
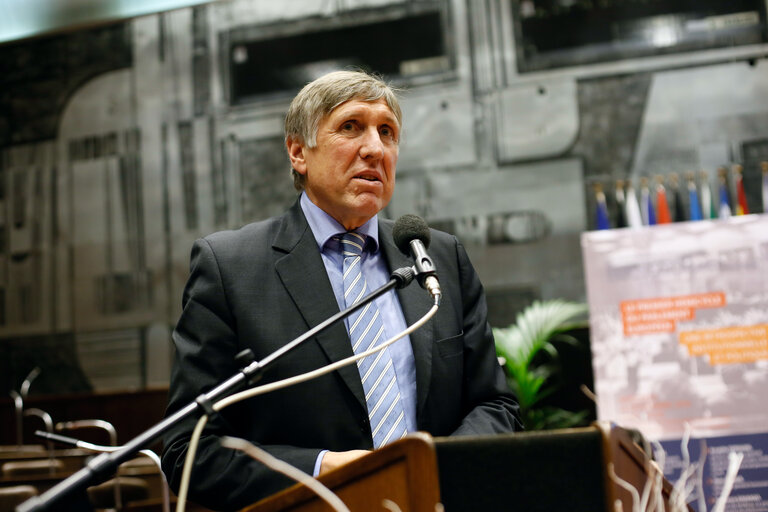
(122, 143)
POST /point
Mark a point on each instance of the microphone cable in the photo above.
(274, 386)
(286, 469)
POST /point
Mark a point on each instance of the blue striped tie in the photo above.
(366, 329)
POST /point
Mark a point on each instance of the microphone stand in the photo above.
(106, 464)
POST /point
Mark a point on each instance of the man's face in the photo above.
(350, 173)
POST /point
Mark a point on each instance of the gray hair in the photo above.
(318, 99)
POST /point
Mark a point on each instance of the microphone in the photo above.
(411, 235)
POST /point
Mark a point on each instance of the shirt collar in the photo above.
(324, 227)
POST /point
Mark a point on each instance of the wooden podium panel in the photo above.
(403, 472)
(543, 471)
(632, 465)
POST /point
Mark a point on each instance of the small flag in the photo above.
(693, 199)
(662, 207)
(634, 218)
(621, 218)
(708, 210)
(724, 208)
(602, 208)
(764, 166)
(646, 205)
(678, 208)
(741, 207)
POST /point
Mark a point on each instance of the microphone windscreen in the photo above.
(410, 227)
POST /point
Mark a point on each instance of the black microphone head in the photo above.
(410, 227)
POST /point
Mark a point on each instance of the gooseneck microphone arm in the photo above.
(105, 464)
(399, 279)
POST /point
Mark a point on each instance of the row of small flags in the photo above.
(657, 203)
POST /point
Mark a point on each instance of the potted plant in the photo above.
(531, 360)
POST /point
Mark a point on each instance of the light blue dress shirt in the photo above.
(374, 268)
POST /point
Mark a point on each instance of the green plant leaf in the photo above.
(519, 343)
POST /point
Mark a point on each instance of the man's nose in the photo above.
(372, 145)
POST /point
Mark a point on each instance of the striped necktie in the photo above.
(366, 329)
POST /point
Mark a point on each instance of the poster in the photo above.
(679, 333)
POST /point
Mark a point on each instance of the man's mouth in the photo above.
(368, 177)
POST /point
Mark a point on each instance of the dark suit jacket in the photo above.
(265, 284)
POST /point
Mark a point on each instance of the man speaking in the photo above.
(265, 284)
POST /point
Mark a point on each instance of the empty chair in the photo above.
(47, 421)
(120, 491)
(112, 494)
(10, 451)
(139, 463)
(97, 424)
(129, 488)
(10, 497)
(18, 403)
(107, 427)
(32, 467)
(28, 464)
(35, 466)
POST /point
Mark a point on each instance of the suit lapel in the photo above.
(303, 274)
(415, 302)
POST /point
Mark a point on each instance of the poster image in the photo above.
(679, 332)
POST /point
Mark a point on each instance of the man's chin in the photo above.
(360, 212)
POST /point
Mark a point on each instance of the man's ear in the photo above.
(296, 154)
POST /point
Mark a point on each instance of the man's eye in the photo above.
(348, 126)
(386, 131)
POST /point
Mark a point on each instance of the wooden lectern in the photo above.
(404, 472)
(544, 471)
